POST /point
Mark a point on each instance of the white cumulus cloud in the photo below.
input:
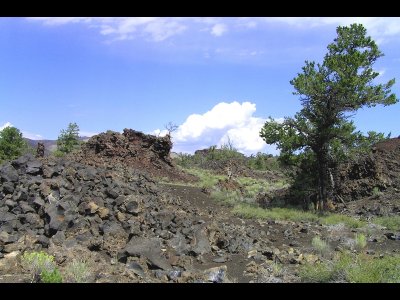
(25, 134)
(234, 120)
(219, 29)
(158, 29)
(380, 28)
(7, 124)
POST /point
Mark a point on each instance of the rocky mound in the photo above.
(119, 221)
(132, 149)
(371, 174)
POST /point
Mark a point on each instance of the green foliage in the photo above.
(330, 94)
(53, 276)
(320, 245)
(361, 240)
(354, 269)
(376, 191)
(42, 267)
(316, 273)
(58, 153)
(12, 144)
(374, 270)
(262, 162)
(391, 223)
(68, 139)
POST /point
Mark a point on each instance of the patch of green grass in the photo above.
(391, 223)
(332, 219)
(374, 270)
(207, 179)
(318, 272)
(230, 198)
(294, 214)
(354, 269)
(276, 213)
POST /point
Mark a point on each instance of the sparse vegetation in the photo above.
(320, 245)
(77, 271)
(376, 192)
(295, 214)
(361, 240)
(347, 267)
(391, 223)
(42, 267)
(276, 213)
(351, 222)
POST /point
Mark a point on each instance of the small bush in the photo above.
(376, 192)
(77, 271)
(53, 276)
(42, 267)
(320, 245)
(361, 240)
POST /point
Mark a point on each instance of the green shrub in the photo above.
(320, 245)
(42, 267)
(12, 144)
(376, 192)
(58, 153)
(361, 240)
(318, 272)
(53, 276)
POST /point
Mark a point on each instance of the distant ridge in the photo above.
(50, 145)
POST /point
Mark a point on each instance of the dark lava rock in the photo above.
(8, 173)
(393, 236)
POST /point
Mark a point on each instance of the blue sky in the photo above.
(214, 77)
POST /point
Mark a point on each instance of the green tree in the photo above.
(330, 94)
(12, 143)
(68, 139)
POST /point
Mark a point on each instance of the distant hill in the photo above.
(50, 145)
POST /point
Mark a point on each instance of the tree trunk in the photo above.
(322, 179)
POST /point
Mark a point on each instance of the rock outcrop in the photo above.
(132, 149)
(376, 172)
